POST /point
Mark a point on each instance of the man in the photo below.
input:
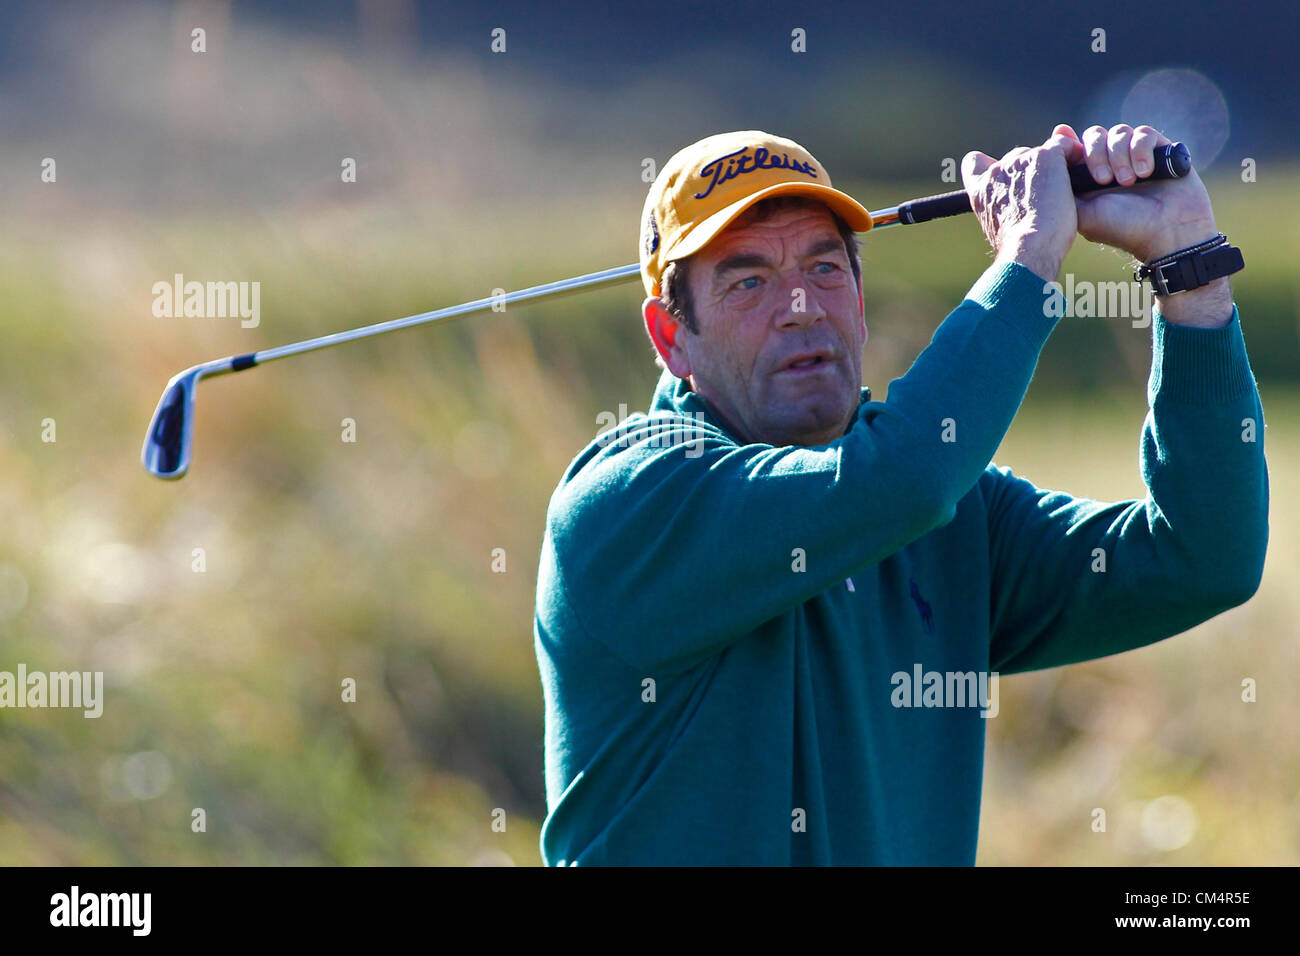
(736, 590)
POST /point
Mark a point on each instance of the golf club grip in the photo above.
(1171, 162)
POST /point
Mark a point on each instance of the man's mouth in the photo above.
(805, 361)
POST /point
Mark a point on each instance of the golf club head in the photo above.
(167, 445)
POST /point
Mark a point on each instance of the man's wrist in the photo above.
(1206, 307)
(1041, 263)
(1182, 237)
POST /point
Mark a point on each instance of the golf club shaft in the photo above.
(167, 444)
(594, 280)
(1171, 162)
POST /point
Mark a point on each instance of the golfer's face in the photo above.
(779, 352)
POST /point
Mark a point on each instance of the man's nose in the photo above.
(800, 306)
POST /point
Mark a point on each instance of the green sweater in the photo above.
(748, 652)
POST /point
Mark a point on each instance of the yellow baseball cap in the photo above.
(705, 186)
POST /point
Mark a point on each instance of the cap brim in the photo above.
(844, 205)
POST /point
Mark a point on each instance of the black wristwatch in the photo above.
(1192, 267)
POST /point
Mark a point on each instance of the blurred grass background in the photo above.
(327, 560)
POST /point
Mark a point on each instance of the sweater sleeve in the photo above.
(667, 551)
(1075, 579)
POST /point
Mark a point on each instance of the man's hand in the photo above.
(1153, 221)
(1158, 219)
(1030, 215)
(1024, 202)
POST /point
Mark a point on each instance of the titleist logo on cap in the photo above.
(738, 163)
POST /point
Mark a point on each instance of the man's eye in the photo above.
(830, 267)
(749, 282)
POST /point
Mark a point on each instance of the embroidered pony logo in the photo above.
(923, 608)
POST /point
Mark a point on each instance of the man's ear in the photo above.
(665, 332)
(862, 312)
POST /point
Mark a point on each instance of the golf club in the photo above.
(168, 443)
